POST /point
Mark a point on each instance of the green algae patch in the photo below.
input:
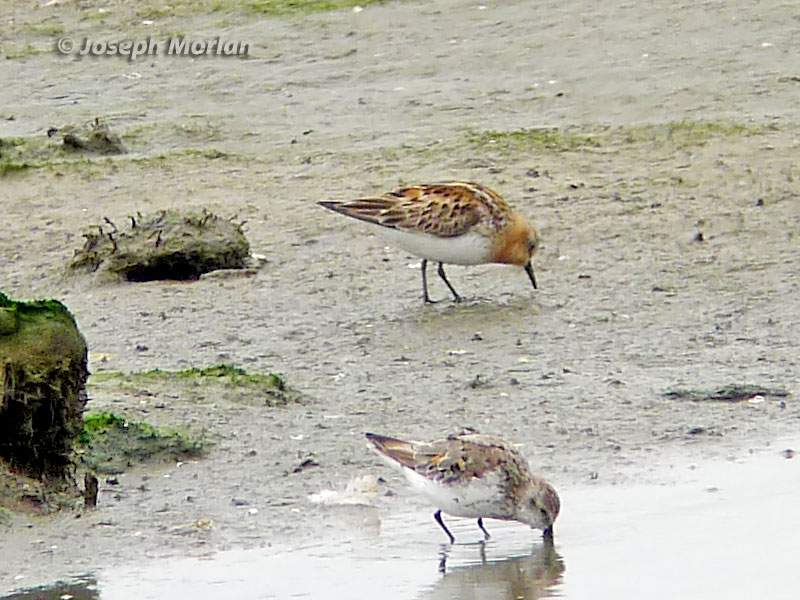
(67, 144)
(678, 134)
(171, 244)
(43, 372)
(19, 154)
(683, 133)
(224, 374)
(541, 138)
(217, 383)
(289, 7)
(110, 443)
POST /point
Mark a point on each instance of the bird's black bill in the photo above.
(529, 271)
(547, 535)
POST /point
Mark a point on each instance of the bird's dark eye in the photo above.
(544, 512)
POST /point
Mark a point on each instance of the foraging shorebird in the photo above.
(474, 476)
(457, 222)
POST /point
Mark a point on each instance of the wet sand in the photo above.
(342, 104)
(683, 539)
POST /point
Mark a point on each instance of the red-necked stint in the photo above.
(474, 476)
(457, 222)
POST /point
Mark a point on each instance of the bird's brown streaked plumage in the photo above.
(468, 461)
(441, 209)
(459, 222)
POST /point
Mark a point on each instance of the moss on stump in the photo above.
(168, 245)
(43, 375)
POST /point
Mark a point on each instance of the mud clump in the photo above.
(43, 375)
(110, 443)
(95, 137)
(171, 244)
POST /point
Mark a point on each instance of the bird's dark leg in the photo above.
(425, 282)
(438, 516)
(444, 278)
(483, 529)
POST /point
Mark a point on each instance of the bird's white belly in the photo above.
(479, 498)
(468, 249)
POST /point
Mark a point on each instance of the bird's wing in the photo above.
(442, 209)
(481, 454)
(459, 458)
(433, 460)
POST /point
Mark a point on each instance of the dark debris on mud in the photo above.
(729, 393)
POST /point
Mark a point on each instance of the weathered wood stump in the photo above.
(42, 377)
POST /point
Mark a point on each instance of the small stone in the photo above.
(788, 453)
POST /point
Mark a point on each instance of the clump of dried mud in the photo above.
(171, 244)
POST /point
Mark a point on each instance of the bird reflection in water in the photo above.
(525, 577)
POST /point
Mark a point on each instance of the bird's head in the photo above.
(540, 507)
(533, 246)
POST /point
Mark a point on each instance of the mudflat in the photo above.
(654, 146)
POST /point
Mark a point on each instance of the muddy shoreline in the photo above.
(693, 125)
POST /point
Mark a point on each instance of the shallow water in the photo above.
(728, 529)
